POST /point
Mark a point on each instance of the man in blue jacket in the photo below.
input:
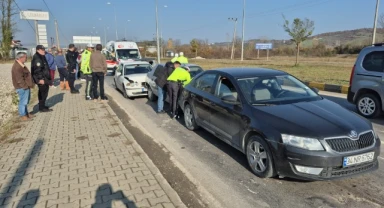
(52, 66)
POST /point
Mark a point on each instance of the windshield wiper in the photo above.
(263, 104)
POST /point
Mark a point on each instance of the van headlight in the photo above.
(302, 142)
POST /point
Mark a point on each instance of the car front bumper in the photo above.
(330, 162)
(136, 91)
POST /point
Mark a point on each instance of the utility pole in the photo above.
(57, 35)
(36, 33)
(234, 37)
(157, 34)
(242, 38)
(375, 22)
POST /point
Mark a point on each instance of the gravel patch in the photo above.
(7, 91)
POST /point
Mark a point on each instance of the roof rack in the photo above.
(378, 44)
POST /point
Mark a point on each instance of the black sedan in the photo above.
(284, 127)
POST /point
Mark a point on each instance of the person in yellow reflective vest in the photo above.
(175, 58)
(87, 71)
(182, 59)
(179, 78)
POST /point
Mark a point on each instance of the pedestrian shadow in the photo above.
(32, 196)
(105, 197)
(78, 86)
(50, 102)
(14, 182)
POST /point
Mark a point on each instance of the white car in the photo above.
(130, 78)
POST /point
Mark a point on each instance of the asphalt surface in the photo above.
(221, 174)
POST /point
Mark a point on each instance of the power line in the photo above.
(55, 18)
(27, 20)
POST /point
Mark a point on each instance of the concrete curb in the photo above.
(170, 192)
(329, 87)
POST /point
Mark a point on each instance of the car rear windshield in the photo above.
(275, 90)
(137, 69)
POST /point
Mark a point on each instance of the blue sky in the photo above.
(187, 19)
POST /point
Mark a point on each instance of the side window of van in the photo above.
(374, 61)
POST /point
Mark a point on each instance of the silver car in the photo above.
(150, 80)
(366, 86)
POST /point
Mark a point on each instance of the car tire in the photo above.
(368, 105)
(189, 118)
(151, 96)
(259, 157)
(125, 92)
(116, 85)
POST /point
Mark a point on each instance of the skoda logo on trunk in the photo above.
(353, 135)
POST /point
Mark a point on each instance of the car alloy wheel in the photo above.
(368, 106)
(259, 157)
(189, 118)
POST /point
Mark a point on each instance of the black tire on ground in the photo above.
(258, 152)
(368, 105)
(125, 92)
(189, 118)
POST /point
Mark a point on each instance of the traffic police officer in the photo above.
(41, 76)
(87, 71)
(71, 57)
(175, 58)
(182, 59)
(179, 78)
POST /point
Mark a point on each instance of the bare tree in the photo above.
(381, 20)
(8, 27)
(299, 31)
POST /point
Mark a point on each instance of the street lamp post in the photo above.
(105, 33)
(114, 10)
(125, 34)
(375, 22)
(234, 37)
(242, 38)
(157, 33)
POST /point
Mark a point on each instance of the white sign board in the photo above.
(34, 15)
(42, 31)
(86, 39)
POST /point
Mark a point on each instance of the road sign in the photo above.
(42, 35)
(34, 15)
(86, 39)
(264, 46)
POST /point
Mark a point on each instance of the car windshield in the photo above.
(195, 70)
(127, 54)
(275, 90)
(137, 69)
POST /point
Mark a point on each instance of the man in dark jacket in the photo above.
(71, 57)
(161, 75)
(41, 76)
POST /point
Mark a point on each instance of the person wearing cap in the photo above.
(41, 76)
(71, 57)
(179, 77)
(87, 71)
(182, 59)
(52, 66)
(175, 58)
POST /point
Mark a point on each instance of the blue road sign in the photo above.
(264, 46)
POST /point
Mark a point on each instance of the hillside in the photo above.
(358, 37)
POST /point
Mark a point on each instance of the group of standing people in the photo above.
(42, 74)
(170, 80)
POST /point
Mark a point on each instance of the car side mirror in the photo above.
(230, 99)
(315, 90)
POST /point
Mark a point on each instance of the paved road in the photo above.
(222, 175)
(79, 155)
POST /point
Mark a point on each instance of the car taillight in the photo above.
(351, 77)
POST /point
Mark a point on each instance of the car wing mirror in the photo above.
(230, 99)
(315, 90)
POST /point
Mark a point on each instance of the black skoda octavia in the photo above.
(282, 126)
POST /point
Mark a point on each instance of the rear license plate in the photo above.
(357, 159)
